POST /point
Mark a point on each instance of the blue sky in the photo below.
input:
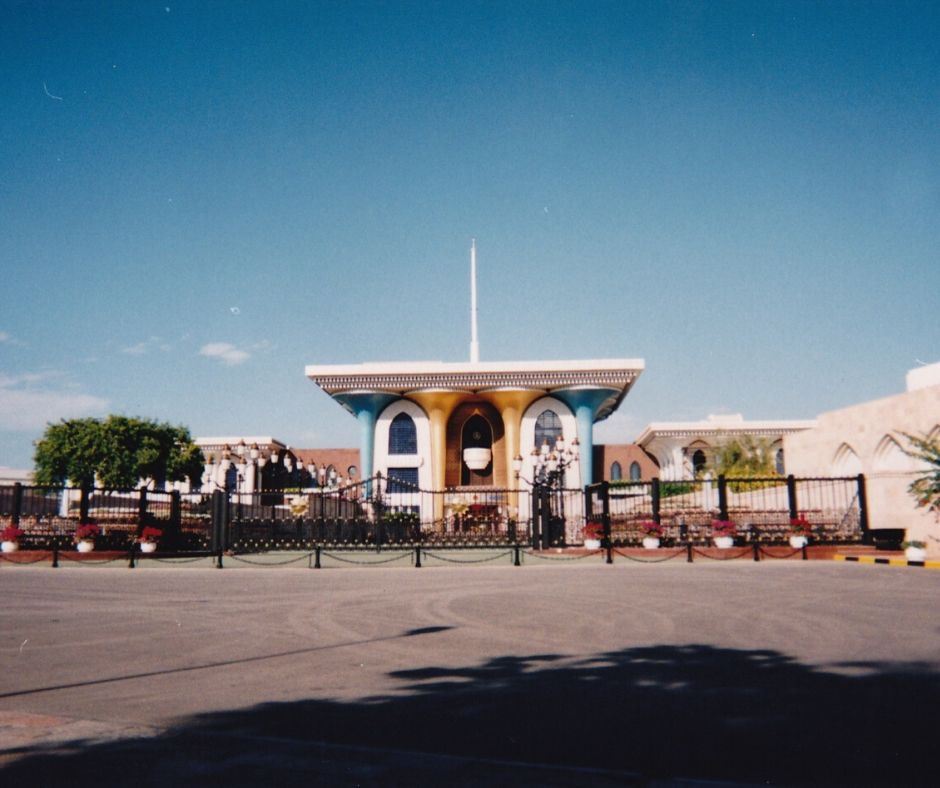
(199, 199)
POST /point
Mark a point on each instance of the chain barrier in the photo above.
(213, 556)
(429, 554)
(75, 559)
(270, 563)
(9, 560)
(763, 552)
(367, 563)
(676, 554)
(532, 553)
(744, 551)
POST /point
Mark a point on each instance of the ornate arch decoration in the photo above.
(845, 461)
(889, 456)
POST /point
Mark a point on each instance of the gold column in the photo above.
(438, 404)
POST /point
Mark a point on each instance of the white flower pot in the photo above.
(915, 553)
(798, 542)
(651, 542)
(85, 546)
(148, 547)
(592, 544)
(10, 547)
(724, 542)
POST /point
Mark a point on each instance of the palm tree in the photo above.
(926, 487)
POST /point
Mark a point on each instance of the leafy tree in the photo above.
(745, 457)
(926, 488)
(118, 450)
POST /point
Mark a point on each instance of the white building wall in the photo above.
(866, 438)
(574, 504)
(382, 460)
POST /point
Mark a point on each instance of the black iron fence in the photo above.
(761, 509)
(387, 513)
(50, 516)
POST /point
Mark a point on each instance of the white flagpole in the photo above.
(474, 343)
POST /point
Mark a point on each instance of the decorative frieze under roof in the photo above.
(722, 425)
(403, 378)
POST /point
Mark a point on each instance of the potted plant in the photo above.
(10, 538)
(85, 536)
(149, 538)
(652, 534)
(915, 550)
(593, 533)
(800, 531)
(723, 532)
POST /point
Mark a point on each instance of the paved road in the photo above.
(569, 674)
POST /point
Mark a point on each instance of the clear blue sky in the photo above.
(199, 199)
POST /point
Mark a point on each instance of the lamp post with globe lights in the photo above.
(549, 467)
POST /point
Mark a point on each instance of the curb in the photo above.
(870, 559)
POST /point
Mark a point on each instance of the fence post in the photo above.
(656, 493)
(791, 497)
(17, 503)
(688, 552)
(218, 515)
(316, 559)
(722, 497)
(417, 556)
(605, 500)
(863, 509)
(535, 516)
(141, 508)
(84, 503)
(176, 511)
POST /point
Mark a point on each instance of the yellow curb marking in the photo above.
(870, 559)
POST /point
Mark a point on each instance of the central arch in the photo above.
(477, 425)
(476, 434)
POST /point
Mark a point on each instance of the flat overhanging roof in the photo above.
(690, 429)
(404, 377)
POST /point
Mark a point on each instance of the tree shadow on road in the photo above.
(690, 711)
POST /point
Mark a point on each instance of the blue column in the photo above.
(367, 405)
(585, 403)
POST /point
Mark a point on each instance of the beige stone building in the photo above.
(868, 438)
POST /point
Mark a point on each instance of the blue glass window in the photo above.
(635, 472)
(615, 472)
(402, 435)
(547, 428)
(402, 480)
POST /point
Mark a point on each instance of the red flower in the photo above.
(11, 534)
(724, 528)
(86, 531)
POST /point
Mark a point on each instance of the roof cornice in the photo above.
(404, 377)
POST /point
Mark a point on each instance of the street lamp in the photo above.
(548, 473)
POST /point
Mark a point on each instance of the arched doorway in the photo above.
(476, 434)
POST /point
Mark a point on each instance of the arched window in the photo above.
(402, 435)
(352, 471)
(778, 462)
(636, 472)
(698, 462)
(547, 428)
(616, 473)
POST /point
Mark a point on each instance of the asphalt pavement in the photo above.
(554, 673)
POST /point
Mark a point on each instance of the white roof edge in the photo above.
(724, 427)
(232, 440)
(450, 367)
